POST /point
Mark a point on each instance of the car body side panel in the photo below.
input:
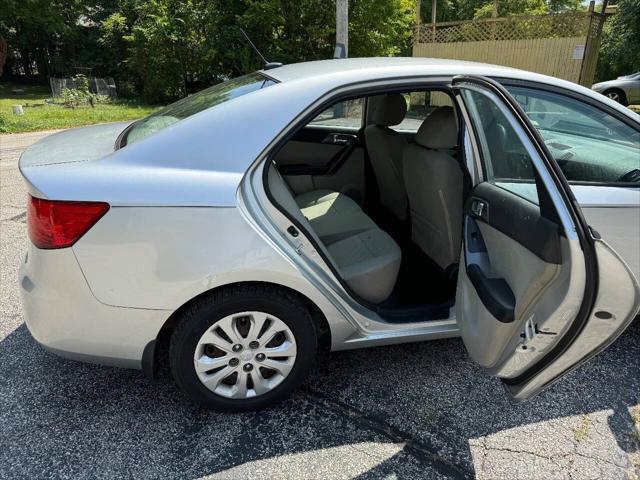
(160, 258)
(614, 212)
(63, 315)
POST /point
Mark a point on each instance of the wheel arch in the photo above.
(155, 354)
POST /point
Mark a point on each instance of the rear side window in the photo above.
(419, 106)
(589, 144)
(193, 104)
(346, 114)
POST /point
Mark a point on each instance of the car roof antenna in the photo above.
(267, 64)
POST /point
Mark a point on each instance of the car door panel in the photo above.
(321, 157)
(534, 276)
(307, 155)
(618, 295)
(518, 218)
(614, 211)
(621, 227)
(508, 265)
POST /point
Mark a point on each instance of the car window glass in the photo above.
(210, 97)
(504, 157)
(346, 114)
(419, 106)
(589, 144)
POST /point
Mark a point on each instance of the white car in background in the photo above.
(337, 205)
(624, 90)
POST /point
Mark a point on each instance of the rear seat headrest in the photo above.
(388, 110)
(439, 131)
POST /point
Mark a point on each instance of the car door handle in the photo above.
(479, 208)
(340, 139)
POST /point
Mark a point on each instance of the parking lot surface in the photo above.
(408, 411)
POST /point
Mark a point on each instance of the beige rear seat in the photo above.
(334, 216)
(367, 258)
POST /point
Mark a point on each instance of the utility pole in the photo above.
(434, 9)
(342, 29)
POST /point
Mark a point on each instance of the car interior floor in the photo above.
(420, 280)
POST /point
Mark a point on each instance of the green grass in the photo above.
(49, 117)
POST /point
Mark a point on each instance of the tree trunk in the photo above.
(3, 53)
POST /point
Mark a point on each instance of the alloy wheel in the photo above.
(615, 96)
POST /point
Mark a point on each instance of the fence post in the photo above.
(592, 45)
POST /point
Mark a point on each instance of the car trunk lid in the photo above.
(77, 145)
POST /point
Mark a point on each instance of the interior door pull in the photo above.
(478, 207)
(340, 139)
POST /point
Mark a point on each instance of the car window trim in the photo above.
(345, 92)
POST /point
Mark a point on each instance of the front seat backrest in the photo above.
(434, 186)
(385, 147)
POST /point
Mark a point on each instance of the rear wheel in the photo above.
(243, 348)
(617, 95)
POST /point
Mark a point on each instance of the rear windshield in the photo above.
(193, 104)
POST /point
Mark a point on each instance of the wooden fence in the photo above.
(562, 45)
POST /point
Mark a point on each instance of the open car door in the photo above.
(539, 292)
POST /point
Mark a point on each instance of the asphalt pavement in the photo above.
(402, 412)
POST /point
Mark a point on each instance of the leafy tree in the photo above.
(512, 7)
(559, 6)
(166, 49)
(39, 30)
(283, 30)
(455, 10)
(300, 30)
(379, 27)
(171, 46)
(620, 48)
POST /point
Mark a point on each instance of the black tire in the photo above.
(206, 311)
(622, 98)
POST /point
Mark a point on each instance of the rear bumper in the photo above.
(63, 315)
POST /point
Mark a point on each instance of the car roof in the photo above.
(329, 67)
(341, 71)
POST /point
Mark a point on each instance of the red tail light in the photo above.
(56, 224)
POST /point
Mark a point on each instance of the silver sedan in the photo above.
(624, 90)
(336, 205)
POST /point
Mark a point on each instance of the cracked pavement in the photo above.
(408, 411)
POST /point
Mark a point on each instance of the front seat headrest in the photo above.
(439, 131)
(388, 110)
